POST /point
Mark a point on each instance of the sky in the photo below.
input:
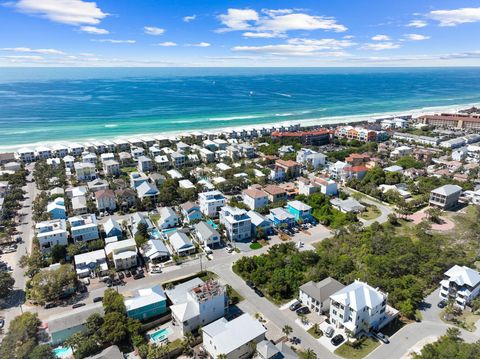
(221, 33)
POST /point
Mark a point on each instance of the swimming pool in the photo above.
(169, 230)
(212, 223)
(63, 352)
(160, 335)
(155, 234)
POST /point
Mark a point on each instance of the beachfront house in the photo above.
(233, 338)
(358, 307)
(51, 233)
(460, 284)
(237, 223)
(196, 303)
(147, 303)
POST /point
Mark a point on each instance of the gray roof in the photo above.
(72, 318)
(155, 248)
(322, 290)
(111, 352)
(447, 189)
(205, 230)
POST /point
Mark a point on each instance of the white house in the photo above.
(358, 307)
(255, 198)
(111, 168)
(311, 157)
(85, 171)
(461, 284)
(211, 202)
(156, 251)
(86, 264)
(168, 218)
(123, 254)
(206, 234)
(84, 228)
(233, 338)
(237, 224)
(105, 200)
(51, 233)
(196, 303)
(144, 164)
(181, 244)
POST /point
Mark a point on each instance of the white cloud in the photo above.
(381, 38)
(260, 35)
(94, 30)
(416, 37)
(24, 57)
(349, 37)
(167, 44)
(71, 12)
(114, 41)
(189, 18)
(201, 44)
(456, 16)
(152, 30)
(34, 51)
(238, 19)
(378, 46)
(302, 47)
(417, 23)
(275, 23)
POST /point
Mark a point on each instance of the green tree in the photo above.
(21, 338)
(6, 284)
(58, 253)
(114, 329)
(48, 285)
(43, 351)
(113, 302)
(94, 323)
(287, 330)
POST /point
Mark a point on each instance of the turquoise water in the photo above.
(62, 352)
(155, 234)
(212, 223)
(169, 230)
(64, 104)
(160, 335)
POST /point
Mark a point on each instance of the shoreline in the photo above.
(319, 122)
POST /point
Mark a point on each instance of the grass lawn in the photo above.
(372, 212)
(255, 245)
(155, 217)
(364, 348)
(315, 334)
(129, 169)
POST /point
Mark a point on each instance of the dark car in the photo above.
(78, 305)
(259, 292)
(303, 310)
(97, 299)
(250, 284)
(50, 305)
(337, 339)
(138, 276)
(121, 275)
(128, 274)
(295, 305)
(2, 323)
(442, 304)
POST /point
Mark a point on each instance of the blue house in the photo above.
(56, 209)
(112, 229)
(148, 303)
(300, 210)
(281, 217)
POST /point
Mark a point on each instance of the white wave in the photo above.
(282, 94)
(234, 118)
(111, 125)
(284, 114)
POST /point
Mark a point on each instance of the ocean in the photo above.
(46, 105)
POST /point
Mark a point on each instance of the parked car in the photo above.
(303, 310)
(49, 305)
(97, 299)
(128, 274)
(442, 304)
(138, 276)
(78, 305)
(337, 340)
(259, 292)
(121, 275)
(382, 337)
(295, 305)
(2, 323)
(250, 284)
(329, 331)
(229, 249)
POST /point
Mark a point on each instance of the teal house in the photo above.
(148, 303)
(300, 210)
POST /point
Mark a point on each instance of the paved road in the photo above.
(384, 208)
(26, 232)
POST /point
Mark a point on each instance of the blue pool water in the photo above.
(161, 334)
(155, 234)
(169, 230)
(63, 352)
(212, 223)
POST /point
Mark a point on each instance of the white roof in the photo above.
(186, 184)
(359, 295)
(463, 275)
(230, 335)
(180, 241)
(120, 246)
(300, 206)
(146, 296)
(155, 248)
(447, 189)
(174, 174)
(179, 293)
(89, 257)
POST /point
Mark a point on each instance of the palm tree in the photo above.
(316, 328)
(221, 356)
(188, 342)
(287, 330)
(253, 347)
(310, 354)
